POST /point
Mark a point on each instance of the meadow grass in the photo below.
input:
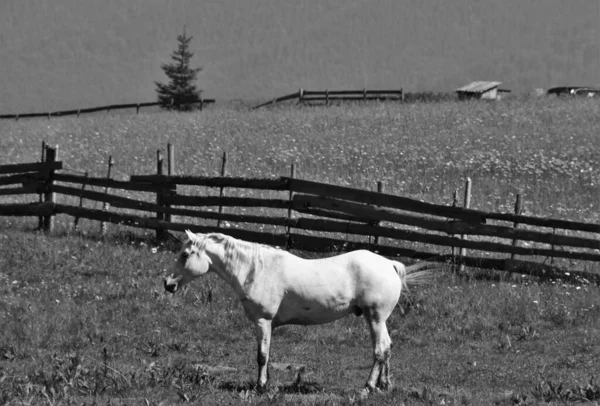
(546, 149)
(85, 319)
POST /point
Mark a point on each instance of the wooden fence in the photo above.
(108, 109)
(306, 215)
(330, 96)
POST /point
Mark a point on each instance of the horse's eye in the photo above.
(185, 255)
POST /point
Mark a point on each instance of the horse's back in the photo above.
(363, 265)
(358, 275)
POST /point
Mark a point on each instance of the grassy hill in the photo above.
(66, 53)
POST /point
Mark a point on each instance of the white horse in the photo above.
(277, 288)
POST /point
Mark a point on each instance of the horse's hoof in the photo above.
(261, 389)
(384, 386)
(364, 392)
(367, 390)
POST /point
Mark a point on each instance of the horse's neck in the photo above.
(234, 261)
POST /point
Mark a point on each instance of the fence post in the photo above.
(221, 189)
(291, 196)
(49, 196)
(160, 233)
(41, 195)
(467, 204)
(170, 172)
(518, 210)
(105, 205)
(76, 221)
(380, 187)
(301, 96)
(454, 204)
(552, 247)
(170, 160)
(78, 112)
(365, 94)
(201, 102)
(326, 97)
(402, 94)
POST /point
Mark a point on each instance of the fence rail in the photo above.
(327, 96)
(308, 215)
(107, 108)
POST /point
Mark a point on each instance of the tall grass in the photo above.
(85, 319)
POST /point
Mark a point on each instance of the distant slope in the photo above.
(57, 54)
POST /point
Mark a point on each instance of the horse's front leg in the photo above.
(263, 337)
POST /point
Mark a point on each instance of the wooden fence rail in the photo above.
(368, 197)
(327, 96)
(107, 108)
(305, 210)
(36, 167)
(367, 213)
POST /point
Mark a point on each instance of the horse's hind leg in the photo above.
(384, 381)
(263, 337)
(379, 376)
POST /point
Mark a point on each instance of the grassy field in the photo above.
(546, 149)
(84, 319)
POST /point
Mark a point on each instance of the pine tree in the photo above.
(181, 88)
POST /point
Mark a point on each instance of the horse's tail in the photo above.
(416, 274)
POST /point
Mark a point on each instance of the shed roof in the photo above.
(478, 87)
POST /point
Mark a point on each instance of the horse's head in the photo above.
(192, 263)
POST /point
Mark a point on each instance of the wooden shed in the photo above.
(480, 90)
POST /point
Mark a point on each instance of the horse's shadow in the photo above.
(298, 387)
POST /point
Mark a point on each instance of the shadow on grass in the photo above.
(304, 388)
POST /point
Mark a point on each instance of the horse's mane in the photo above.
(240, 255)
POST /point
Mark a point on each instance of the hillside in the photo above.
(65, 53)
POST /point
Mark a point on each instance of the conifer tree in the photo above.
(181, 88)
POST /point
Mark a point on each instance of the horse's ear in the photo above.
(192, 237)
(217, 237)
